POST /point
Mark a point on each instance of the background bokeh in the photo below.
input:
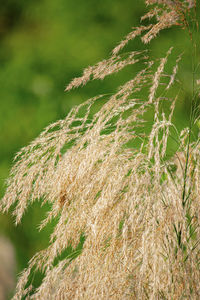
(43, 45)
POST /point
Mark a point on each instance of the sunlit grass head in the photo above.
(112, 180)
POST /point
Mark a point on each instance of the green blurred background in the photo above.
(43, 45)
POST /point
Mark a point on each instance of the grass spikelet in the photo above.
(127, 206)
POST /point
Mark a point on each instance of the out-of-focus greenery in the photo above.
(43, 45)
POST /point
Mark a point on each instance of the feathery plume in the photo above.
(109, 180)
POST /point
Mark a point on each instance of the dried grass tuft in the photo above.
(109, 176)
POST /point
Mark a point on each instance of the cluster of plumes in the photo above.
(138, 210)
(166, 12)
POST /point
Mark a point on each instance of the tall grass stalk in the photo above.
(111, 178)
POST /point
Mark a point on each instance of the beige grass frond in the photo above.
(105, 68)
(109, 176)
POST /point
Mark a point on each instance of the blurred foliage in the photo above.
(43, 45)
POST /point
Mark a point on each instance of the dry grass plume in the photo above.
(109, 177)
